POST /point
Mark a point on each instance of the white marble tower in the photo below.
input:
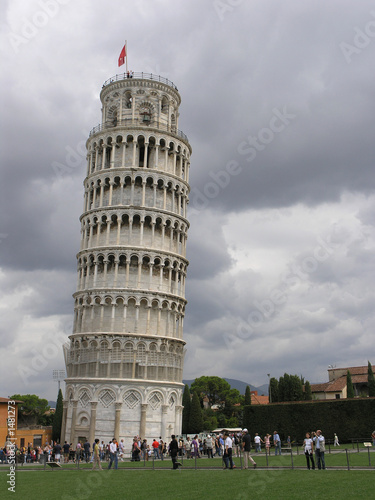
(124, 360)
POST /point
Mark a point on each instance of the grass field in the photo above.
(138, 480)
(235, 484)
(338, 458)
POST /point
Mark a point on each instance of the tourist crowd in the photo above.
(219, 445)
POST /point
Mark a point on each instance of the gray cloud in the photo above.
(310, 178)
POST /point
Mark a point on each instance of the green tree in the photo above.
(210, 421)
(57, 418)
(32, 410)
(195, 419)
(349, 386)
(296, 388)
(186, 402)
(308, 392)
(371, 381)
(274, 390)
(246, 418)
(217, 390)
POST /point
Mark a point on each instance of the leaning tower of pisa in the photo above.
(124, 359)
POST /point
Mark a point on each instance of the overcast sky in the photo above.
(278, 102)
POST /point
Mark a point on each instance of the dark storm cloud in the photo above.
(254, 217)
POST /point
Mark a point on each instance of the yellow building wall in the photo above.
(28, 435)
(4, 421)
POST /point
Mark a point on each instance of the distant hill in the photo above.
(239, 385)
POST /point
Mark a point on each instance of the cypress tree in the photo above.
(195, 419)
(282, 391)
(186, 402)
(371, 381)
(247, 396)
(57, 418)
(308, 392)
(246, 419)
(349, 386)
(274, 391)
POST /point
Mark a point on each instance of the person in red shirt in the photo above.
(155, 445)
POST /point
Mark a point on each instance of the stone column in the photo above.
(173, 201)
(73, 433)
(96, 157)
(174, 162)
(143, 192)
(108, 231)
(134, 150)
(158, 322)
(104, 150)
(123, 154)
(116, 273)
(152, 234)
(118, 230)
(166, 159)
(142, 223)
(117, 420)
(163, 427)
(127, 272)
(63, 423)
(94, 404)
(150, 276)
(145, 156)
(122, 192)
(165, 198)
(101, 195)
(111, 184)
(178, 419)
(132, 192)
(142, 427)
(112, 157)
(94, 198)
(156, 155)
(148, 323)
(120, 112)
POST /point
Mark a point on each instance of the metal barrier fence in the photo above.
(140, 76)
(292, 458)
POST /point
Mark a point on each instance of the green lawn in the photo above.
(209, 484)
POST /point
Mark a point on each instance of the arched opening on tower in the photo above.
(141, 151)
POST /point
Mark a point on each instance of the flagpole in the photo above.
(126, 54)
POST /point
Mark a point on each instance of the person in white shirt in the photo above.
(121, 450)
(113, 454)
(257, 441)
(228, 448)
(308, 445)
(320, 448)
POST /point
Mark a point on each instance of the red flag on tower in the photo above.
(121, 59)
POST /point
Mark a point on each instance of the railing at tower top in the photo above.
(129, 122)
(141, 76)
